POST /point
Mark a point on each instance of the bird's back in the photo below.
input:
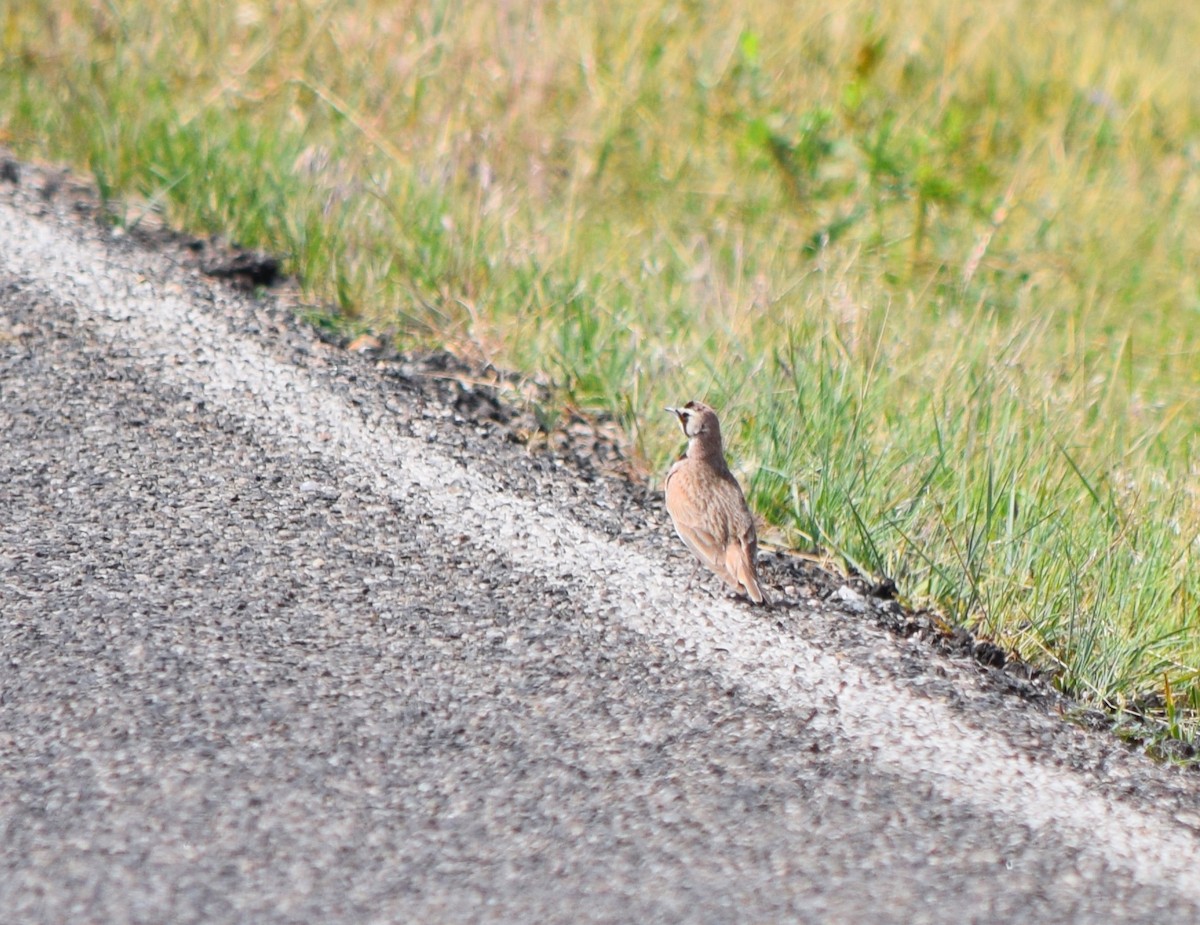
(712, 518)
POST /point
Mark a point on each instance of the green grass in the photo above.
(939, 267)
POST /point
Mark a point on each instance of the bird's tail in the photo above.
(739, 562)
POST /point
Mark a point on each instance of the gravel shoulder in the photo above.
(296, 634)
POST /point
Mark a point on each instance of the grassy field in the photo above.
(939, 267)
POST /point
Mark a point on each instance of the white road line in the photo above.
(913, 736)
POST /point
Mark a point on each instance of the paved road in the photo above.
(290, 638)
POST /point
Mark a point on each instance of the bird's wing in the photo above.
(702, 543)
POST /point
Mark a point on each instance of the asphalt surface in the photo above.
(289, 635)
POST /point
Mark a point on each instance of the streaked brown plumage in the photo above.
(707, 505)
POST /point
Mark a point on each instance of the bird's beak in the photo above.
(674, 411)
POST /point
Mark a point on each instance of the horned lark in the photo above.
(707, 506)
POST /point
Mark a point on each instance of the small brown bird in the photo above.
(707, 506)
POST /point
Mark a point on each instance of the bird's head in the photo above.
(697, 419)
